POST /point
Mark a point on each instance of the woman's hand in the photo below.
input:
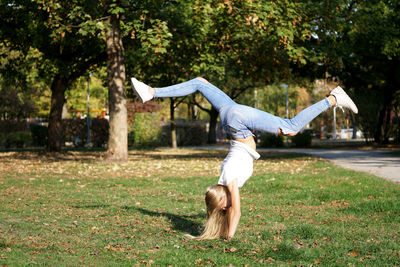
(234, 211)
(281, 133)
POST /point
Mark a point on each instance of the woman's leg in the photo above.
(240, 116)
(215, 96)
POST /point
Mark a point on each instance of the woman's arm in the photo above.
(234, 211)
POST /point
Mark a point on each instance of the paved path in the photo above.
(382, 163)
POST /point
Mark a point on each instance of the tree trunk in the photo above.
(382, 131)
(55, 131)
(387, 126)
(174, 141)
(212, 131)
(118, 138)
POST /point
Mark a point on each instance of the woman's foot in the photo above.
(142, 90)
(343, 100)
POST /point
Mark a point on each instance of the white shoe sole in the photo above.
(141, 90)
(343, 100)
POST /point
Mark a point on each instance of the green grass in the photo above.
(64, 212)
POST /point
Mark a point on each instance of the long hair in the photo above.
(217, 218)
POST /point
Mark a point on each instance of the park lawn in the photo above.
(75, 209)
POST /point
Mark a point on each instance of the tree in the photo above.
(118, 138)
(21, 90)
(51, 28)
(362, 40)
(234, 44)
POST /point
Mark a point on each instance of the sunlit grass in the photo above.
(75, 209)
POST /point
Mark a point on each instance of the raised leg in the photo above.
(215, 96)
(242, 117)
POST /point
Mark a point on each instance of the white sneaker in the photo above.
(142, 90)
(343, 100)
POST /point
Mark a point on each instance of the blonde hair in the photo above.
(217, 218)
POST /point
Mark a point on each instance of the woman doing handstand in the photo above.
(239, 122)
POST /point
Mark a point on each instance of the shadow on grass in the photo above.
(93, 154)
(181, 223)
(207, 154)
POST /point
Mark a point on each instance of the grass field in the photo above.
(74, 209)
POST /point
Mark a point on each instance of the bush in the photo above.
(146, 130)
(19, 139)
(3, 139)
(75, 131)
(271, 140)
(99, 132)
(302, 139)
(9, 126)
(191, 134)
(39, 135)
(187, 133)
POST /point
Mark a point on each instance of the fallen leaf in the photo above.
(270, 260)
(353, 253)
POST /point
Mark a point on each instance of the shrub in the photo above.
(99, 132)
(3, 139)
(146, 130)
(271, 140)
(187, 133)
(19, 139)
(9, 126)
(131, 138)
(39, 135)
(191, 134)
(302, 139)
(75, 131)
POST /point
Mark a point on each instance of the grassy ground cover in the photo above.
(75, 209)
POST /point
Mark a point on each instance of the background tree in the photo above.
(23, 93)
(235, 44)
(50, 27)
(362, 40)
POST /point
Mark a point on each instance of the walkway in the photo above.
(382, 163)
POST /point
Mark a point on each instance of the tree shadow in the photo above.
(89, 155)
(219, 154)
(181, 223)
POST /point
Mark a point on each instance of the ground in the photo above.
(76, 209)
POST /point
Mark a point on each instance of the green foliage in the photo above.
(302, 139)
(18, 139)
(77, 95)
(146, 130)
(271, 140)
(39, 134)
(24, 90)
(364, 54)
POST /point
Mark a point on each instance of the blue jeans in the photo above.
(240, 121)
